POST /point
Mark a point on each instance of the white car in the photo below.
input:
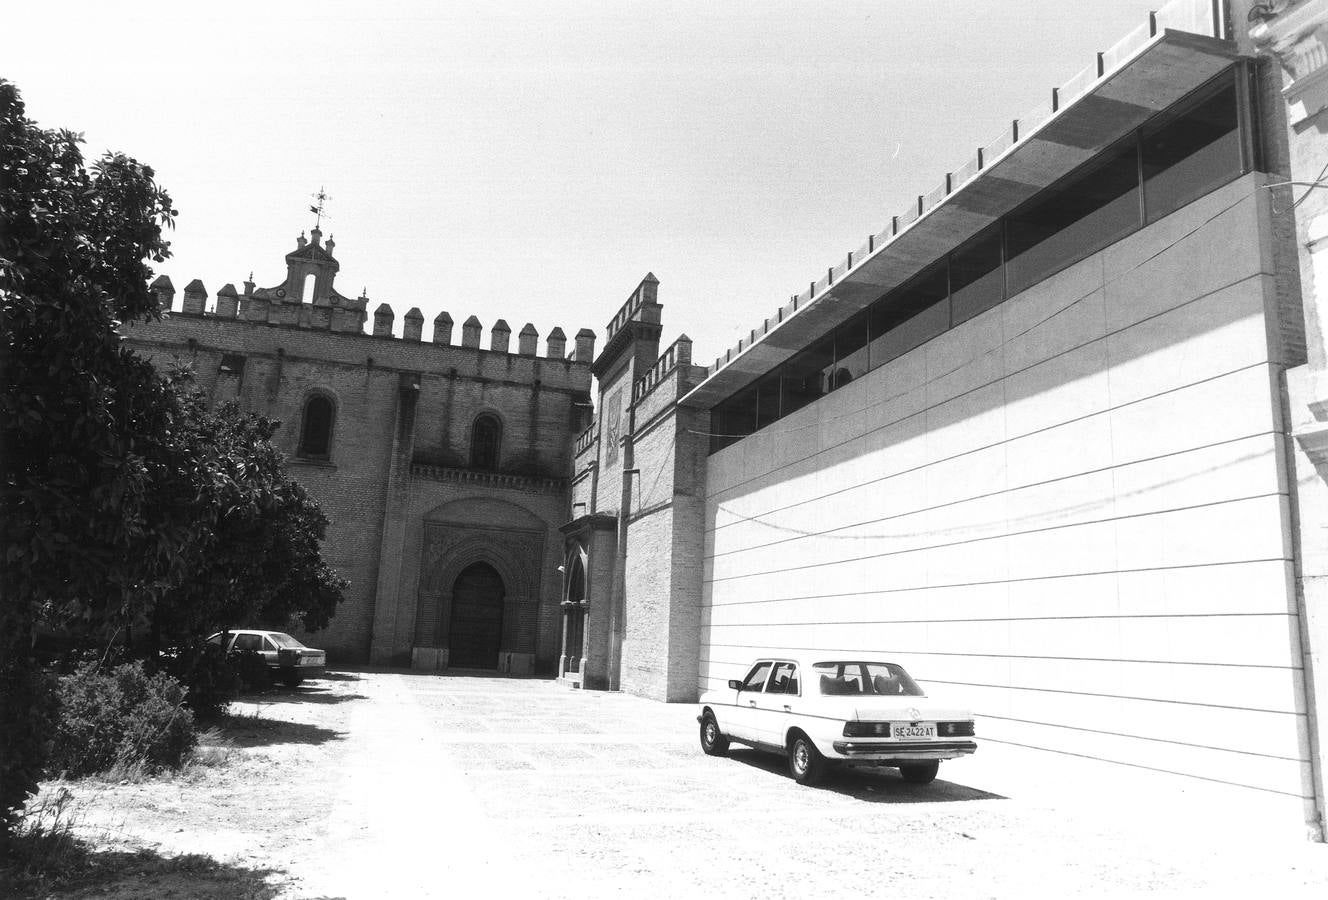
(836, 711)
(286, 658)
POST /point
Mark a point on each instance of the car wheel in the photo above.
(806, 764)
(292, 679)
(713, 742)
(920, 773)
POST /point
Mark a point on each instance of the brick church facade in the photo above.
(442, 465)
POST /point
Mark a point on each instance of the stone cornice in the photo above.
(537, 484)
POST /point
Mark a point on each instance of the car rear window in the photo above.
(874, 678)
(285, 640)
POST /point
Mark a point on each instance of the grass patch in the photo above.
(46, 859)
(214, 749)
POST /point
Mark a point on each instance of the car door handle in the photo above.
(751, 702)
(787, 708)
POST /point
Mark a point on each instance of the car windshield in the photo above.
(877, 678)
(284, 640)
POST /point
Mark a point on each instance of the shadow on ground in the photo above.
(305, 693)
(46, 864)
(871, 785)
(254, 731)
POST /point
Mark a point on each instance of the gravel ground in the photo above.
(378, 784)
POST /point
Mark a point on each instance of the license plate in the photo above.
(918, 732)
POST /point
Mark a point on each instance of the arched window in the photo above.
(316, 428)
(485, 436)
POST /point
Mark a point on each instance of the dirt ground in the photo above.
(377, 784)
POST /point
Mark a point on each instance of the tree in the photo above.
(77, 527)
(124, 500)
(260, 559)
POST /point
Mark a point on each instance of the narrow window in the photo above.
(316, 430)
(850, 351)
(307, 289)
(484, 439)
(806, 375)
(1069, 221)
(976, 280)
(910, 316)
(767, 400)
(1192, 152)
(733, 419)
(231, 364)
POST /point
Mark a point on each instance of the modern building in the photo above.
(1053, 439)
(441, 466)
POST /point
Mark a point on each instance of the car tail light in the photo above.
(866, 729)
(955, 729)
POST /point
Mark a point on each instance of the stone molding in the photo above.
(531, 484)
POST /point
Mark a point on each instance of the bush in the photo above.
(27, 720)
(120, 721)
(253, 670)
(210, 680)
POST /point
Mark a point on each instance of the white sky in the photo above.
(532, 161)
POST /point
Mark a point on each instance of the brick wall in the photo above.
(284, 365)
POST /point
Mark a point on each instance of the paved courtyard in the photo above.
(424, 785)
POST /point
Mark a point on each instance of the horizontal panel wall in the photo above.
(1069, 512)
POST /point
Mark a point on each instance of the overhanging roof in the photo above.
(1165, 69)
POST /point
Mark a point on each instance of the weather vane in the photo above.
(318, 212)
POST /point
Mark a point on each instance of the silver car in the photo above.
(287, 659)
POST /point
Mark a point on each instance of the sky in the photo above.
(533, 161)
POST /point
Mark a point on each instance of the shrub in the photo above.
(253, 670)
(209, 678)
(27, 720)
(121, 720)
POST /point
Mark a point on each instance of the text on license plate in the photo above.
(917, 732)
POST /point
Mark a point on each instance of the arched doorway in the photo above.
(574, 611)
(476, 631)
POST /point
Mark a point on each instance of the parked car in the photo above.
(836, 712)
(287, 659)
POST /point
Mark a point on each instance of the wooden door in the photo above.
(475, 633)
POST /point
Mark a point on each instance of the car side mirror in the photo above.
(735, 684)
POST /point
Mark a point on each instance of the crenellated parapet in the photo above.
(679, 353)
(585, 441)
(308, 299)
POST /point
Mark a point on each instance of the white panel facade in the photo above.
(1071, 511)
